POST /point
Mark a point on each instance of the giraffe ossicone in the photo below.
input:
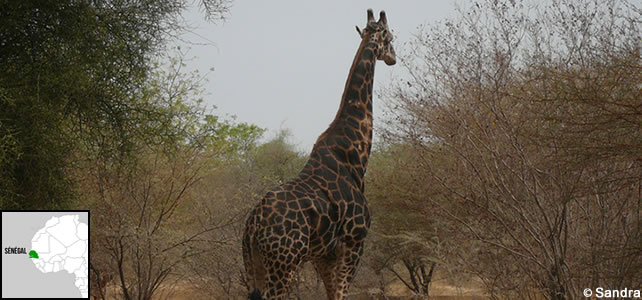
(322, 215)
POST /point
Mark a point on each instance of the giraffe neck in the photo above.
(349, 136)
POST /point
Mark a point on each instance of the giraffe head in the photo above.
(377, 31)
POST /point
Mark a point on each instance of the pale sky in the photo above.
(283, 64)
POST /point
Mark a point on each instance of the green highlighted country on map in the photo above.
(33, 254)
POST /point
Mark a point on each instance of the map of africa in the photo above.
(47, 250)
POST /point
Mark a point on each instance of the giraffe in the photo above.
(322, 215)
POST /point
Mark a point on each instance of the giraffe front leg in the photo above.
(337, 271)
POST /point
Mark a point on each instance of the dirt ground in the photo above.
(439, 289)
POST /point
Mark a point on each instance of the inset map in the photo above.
(45, 254)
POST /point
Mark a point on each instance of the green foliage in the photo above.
(234, 140)
(79, 83)
(277, 161)
(32, 157)
(69, 68)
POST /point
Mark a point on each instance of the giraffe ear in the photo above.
(359, 31)
(370, 15)
(382, 17)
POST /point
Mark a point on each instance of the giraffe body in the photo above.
(322, 215)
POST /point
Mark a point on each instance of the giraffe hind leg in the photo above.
(338, 270)
(326, 270)
(280, 274)
(282, 258)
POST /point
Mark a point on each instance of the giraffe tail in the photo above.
(256, 295)
(253, 273)
(252, 260)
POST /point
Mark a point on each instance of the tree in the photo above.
(73, 77)
(526, 123)
(227, 193)
(145, 226)
(400, 236)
